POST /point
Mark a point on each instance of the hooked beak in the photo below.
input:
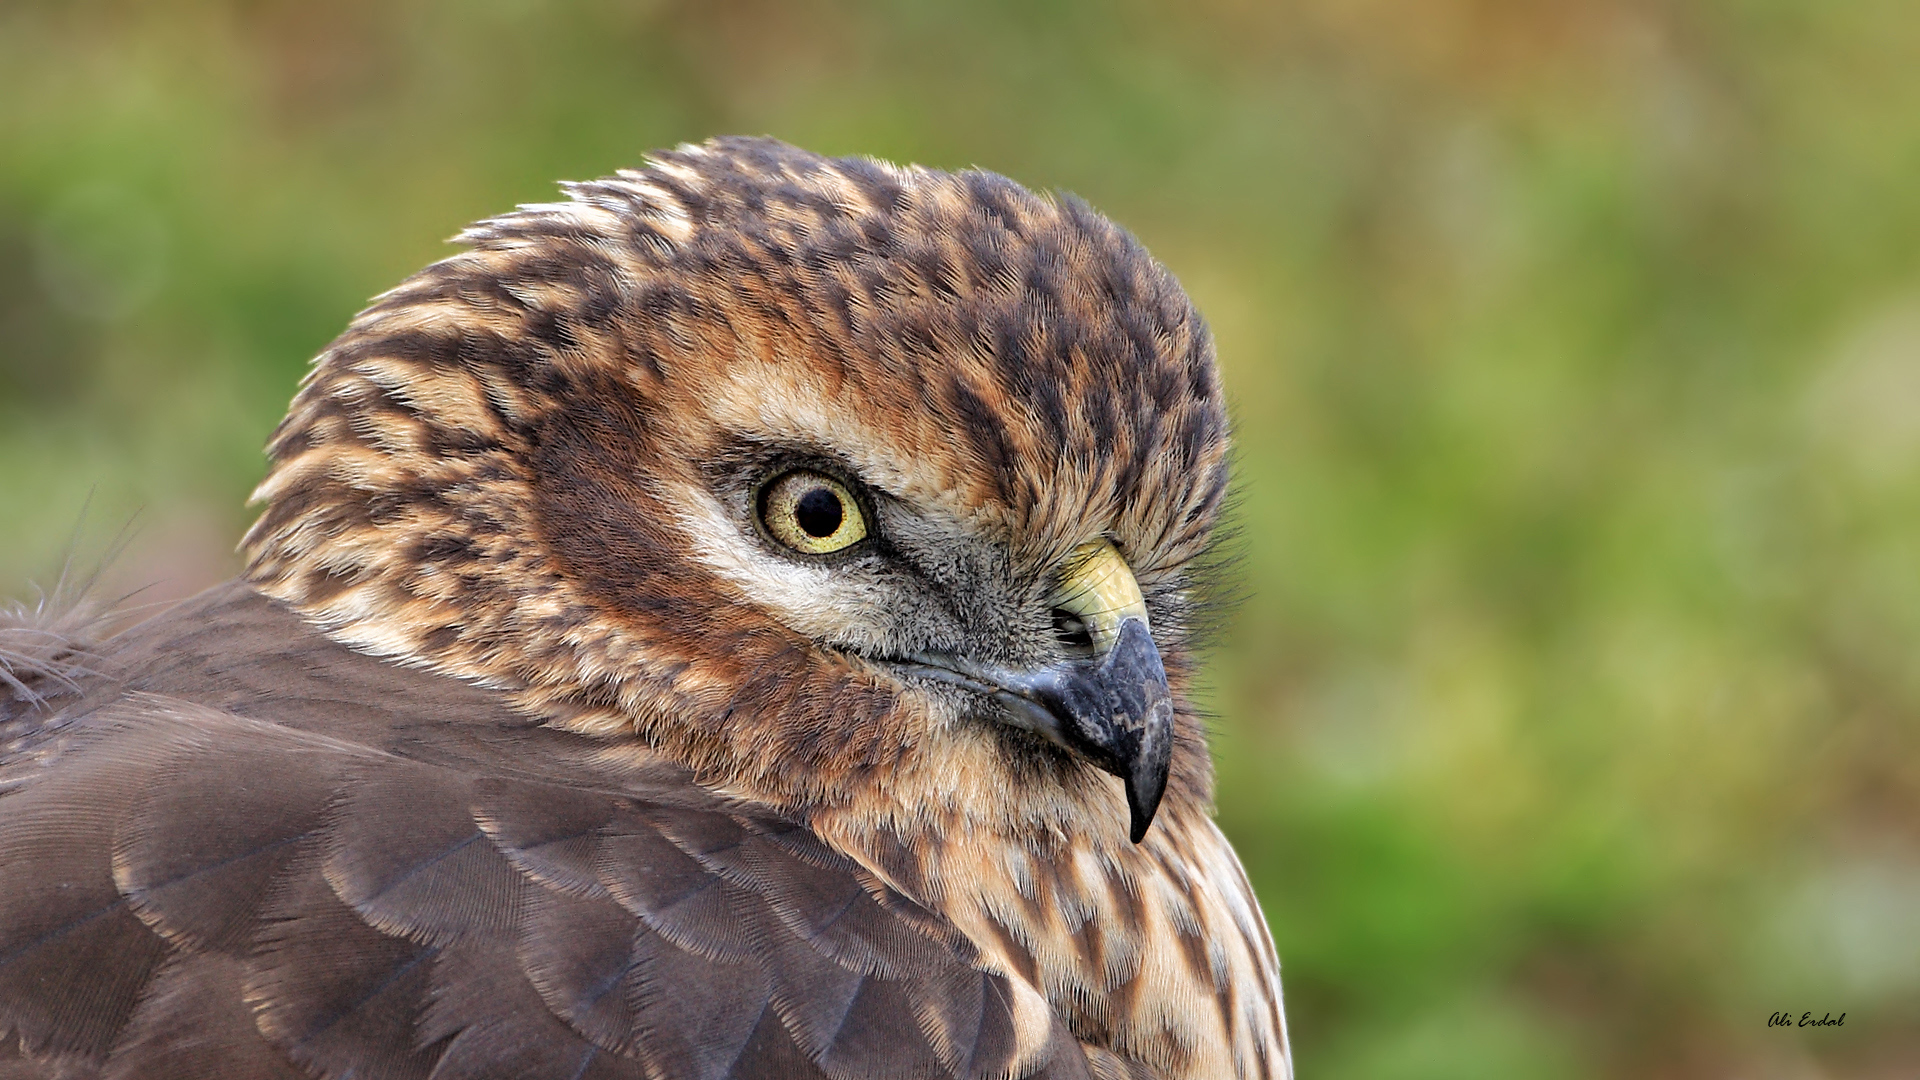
(1112, 707)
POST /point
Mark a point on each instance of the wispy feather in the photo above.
(49, 644)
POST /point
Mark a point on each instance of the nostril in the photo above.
(1072, 631)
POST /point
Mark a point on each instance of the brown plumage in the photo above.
(691, 633)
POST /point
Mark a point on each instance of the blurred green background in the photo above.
(1572, 724)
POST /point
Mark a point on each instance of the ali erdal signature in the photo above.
(1781, 1019)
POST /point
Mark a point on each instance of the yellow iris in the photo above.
(812, 513)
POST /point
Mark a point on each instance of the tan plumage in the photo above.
(521, 670)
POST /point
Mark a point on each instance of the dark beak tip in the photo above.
(1142, 820)
(1146, 782)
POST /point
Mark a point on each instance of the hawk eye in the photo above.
(812, 513)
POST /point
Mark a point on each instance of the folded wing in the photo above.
(190, 891)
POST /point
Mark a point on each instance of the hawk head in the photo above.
(846, 485)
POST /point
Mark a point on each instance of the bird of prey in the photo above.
(736, 621)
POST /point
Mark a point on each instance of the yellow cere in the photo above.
(812, 513)
(1098, 586)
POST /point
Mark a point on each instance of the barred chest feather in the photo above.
(1157, 953)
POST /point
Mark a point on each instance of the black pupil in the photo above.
(819, 512)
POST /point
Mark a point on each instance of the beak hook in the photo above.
(1119, 716)
(1113, 708)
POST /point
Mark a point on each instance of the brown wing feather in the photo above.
(256, 854)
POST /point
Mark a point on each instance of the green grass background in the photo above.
(1572, 723)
